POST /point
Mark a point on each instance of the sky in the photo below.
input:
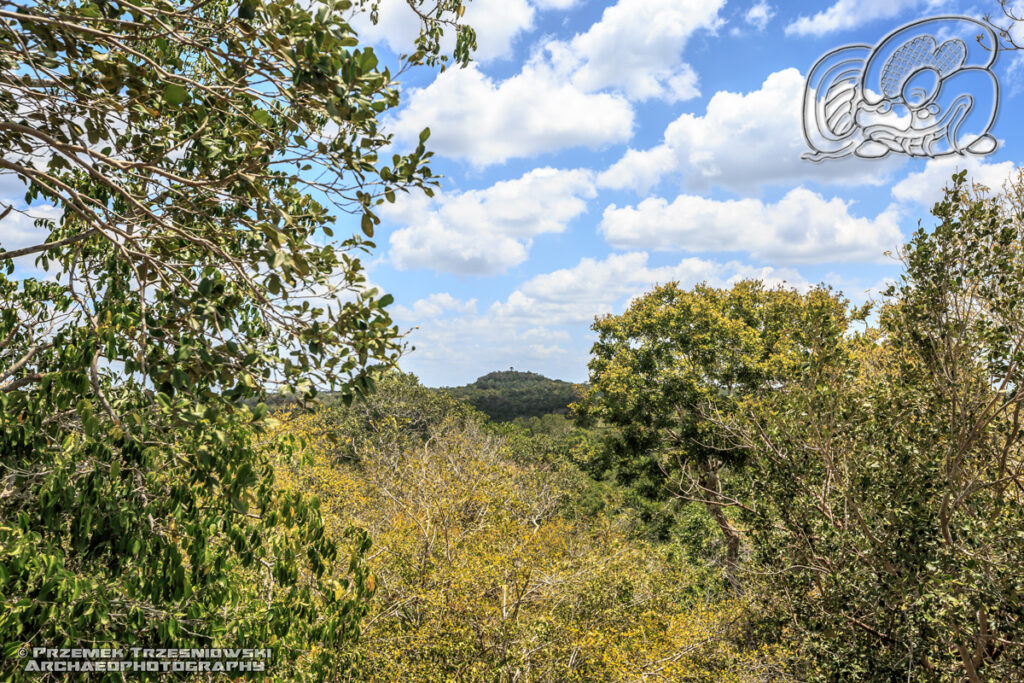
(597, 148)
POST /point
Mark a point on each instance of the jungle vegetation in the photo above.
(508, 395)
(756, 483)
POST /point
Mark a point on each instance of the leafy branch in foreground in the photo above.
(197, 156)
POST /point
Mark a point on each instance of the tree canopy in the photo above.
(507, 395)
(198, 157)
(677, 361)
(868, 480)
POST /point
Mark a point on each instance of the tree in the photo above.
(886, 480)
(675, 362)
(491, 565)
(197, 156)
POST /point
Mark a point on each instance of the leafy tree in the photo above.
(673, 364)
(491, 564)
(887, 482)
(198, 155)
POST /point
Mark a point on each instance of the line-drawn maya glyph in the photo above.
(925, 90)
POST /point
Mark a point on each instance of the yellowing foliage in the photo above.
(485, 571)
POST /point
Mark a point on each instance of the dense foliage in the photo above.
(197, 155)
(499, 560)
(868, 480)
(507, 395)
(888, 487)
(677, 362)
(761, 484)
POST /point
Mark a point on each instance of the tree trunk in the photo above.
(713, 502)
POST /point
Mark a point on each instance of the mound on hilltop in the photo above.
(510, 394)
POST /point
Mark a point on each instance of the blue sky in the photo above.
(598, 148)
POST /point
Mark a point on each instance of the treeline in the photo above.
(758, 484)
(763, 484)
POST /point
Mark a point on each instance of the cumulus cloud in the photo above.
(594, 287)
(432, 307)
(759, 14)
(743, 141)
(801, 227)
(637, 48)
(541, 325)
(570, 93)
(532, 113)
(925, 187)
(484, 232)
(848, 14)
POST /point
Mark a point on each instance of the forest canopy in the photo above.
(197, 158)
(756, 483)
(507, 395)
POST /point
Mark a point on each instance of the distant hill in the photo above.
(506, 395)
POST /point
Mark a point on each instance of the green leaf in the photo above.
(175, 94)
(247, 10)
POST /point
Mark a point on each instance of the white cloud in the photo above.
(640, 170)
(742, 142)
(12, 188)
(926, 186)
(397, 26)
(432, 307)
(497, 23)
(1015, 72)
(637, 48)
(759, 14)
(529, 114)
(18, 230)
(594, 287)
(431, 244)
(483, 232)
(541, 325)
(847, 14)
(800, 227)
(554, 4)
(571, 93)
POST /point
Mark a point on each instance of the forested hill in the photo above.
(510, 394)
